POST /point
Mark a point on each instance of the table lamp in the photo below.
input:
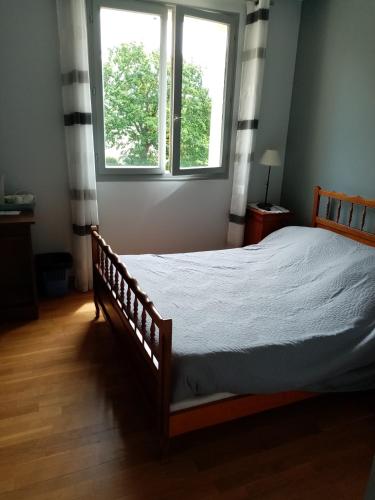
(270, 158)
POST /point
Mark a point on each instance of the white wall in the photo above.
(32, 153)
(164, 216)
(193, 215)
(169, 216)
(277, 95)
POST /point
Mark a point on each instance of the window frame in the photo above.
(97, 91)
(225, 18)
(104, 173)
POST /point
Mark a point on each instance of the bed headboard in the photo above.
(345, 215)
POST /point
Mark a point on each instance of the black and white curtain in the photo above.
(71, 15)
(253, 60)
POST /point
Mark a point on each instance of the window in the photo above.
(162, 85)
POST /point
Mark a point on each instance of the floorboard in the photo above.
(72, 427)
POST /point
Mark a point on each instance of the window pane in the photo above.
(203, 85)
(130, 43)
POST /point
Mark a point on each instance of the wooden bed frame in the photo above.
(148, 336)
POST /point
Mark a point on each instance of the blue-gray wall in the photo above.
(276, 96)
(32, 150)
(331, 139)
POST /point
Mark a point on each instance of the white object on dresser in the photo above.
(275, 209)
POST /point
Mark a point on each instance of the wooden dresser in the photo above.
(260, 224)
(18, 298)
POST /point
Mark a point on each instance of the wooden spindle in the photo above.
(328, 207)
(135, 311)
(103, 261)
(152, 332)
(122, 292)
(128, 300)
(99, 257)
(363, 217)
(116, 282)
(143, 322)
(110, 273)
(351, 214)
(338, 212)
(106, 264)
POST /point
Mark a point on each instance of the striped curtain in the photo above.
(253, 58)
(71, 15)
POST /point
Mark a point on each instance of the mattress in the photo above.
(295, 312)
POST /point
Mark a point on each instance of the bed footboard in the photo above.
(132, 315)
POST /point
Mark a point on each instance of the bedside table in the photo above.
(260, 224)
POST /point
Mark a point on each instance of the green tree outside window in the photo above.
(131, 94)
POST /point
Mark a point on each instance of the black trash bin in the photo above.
(53, 273)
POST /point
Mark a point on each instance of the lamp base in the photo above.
(265, 206)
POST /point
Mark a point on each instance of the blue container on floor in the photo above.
(53, 273)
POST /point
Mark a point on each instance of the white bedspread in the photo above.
(296, 311)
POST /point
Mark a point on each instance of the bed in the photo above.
(253, 328)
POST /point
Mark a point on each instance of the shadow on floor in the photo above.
(117, 387)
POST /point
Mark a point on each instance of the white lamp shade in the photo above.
(271, 158)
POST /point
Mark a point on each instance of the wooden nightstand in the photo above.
(260, 224)
(18, 298)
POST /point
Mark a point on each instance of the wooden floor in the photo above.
(71, 427)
